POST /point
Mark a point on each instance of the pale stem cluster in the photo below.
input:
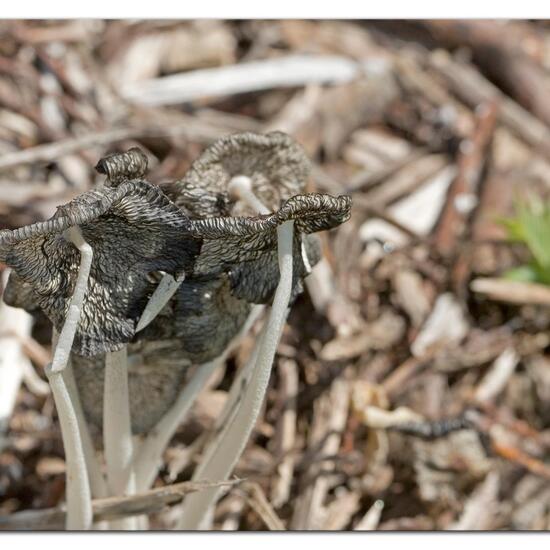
(134, 468)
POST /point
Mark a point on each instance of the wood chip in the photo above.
(370, 521)
(411, 295)
(480, 508)
(446, 325)
(378, 335)
(513, 292)
(497, 377)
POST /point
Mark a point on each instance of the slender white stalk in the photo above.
(79, 503)
(96, 479)
(241, 186)
(66, 337)
(149, 455)
(164, 291)
(236, 392)
(98, 484)
(117, 431)
(223, 452)
(79, 498)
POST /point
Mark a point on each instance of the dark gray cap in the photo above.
(133, 230)
(277, 166)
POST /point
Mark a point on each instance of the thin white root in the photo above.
(162, 294)
(148, 458)
(79, 500)
(223, 452)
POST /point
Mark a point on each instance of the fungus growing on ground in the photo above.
(249, 174)
(87, 268)
(273, 165)
(133, 230)
(148, 284)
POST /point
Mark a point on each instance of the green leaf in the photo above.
(524, 274)
(535, 227)
(531, 226)
(513, 228)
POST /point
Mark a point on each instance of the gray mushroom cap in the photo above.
(119, 167)
(238, 266)
(246, 248)
(133, 230)
(203, 316)
(277, 166)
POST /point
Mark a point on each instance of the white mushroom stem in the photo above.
(79, 503)
(241, 187)
(117, 435)
(150, 452)
(98, 484)
(223, 452)
(117, 425)
(117, 431)
(120, 455)
(79, 499)
(236, 391)
(66, 337)
(148, 460)
(164, 291)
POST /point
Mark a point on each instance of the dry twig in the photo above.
(113, 508)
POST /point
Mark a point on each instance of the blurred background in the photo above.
(411, 389)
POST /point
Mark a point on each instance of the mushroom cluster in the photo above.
(209, 240)
(193, 227)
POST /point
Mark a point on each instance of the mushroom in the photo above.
(273, 165)
(249, 174)
(212, 305)
(214, 261)
(133, 230)
(245, 250)
(205, 314)
(237, 267)
(223, 181)
(94, 296)
(208, 309)
(245, 397)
